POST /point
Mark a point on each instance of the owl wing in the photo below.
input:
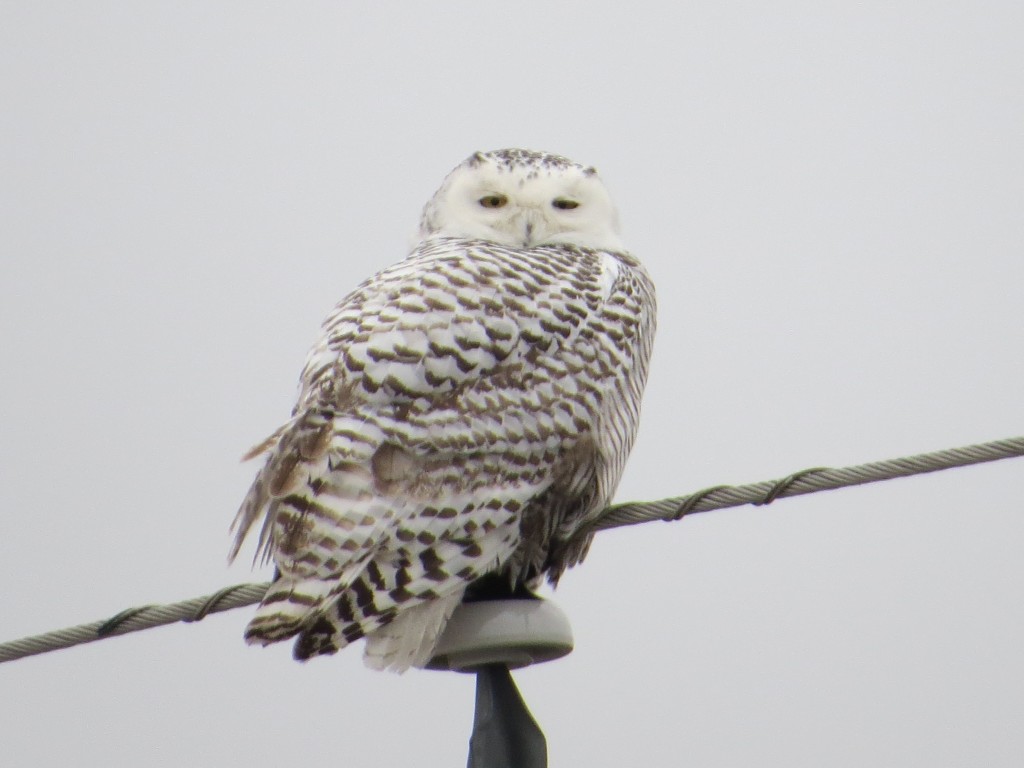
(450, 405)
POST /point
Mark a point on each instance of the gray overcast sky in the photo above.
(829, 196)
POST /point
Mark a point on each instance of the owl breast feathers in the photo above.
(465, 413)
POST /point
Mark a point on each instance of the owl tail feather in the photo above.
(395, 640)
(409, 640)
(286, 609)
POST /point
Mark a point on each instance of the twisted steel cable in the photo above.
(717, 497)
(135, 619)
(806, 481)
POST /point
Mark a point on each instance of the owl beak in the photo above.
(534, 228)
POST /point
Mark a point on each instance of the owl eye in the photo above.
(564, 204)
(493, 201)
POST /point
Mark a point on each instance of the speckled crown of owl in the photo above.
(524, 172)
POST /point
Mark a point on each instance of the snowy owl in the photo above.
(466, 413)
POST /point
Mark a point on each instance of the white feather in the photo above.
(409, 640)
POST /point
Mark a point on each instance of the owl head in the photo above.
(521, 198)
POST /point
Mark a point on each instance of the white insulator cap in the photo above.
(516, 633)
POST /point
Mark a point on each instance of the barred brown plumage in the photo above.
(467, 411)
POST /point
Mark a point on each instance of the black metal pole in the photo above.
(505, 735)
